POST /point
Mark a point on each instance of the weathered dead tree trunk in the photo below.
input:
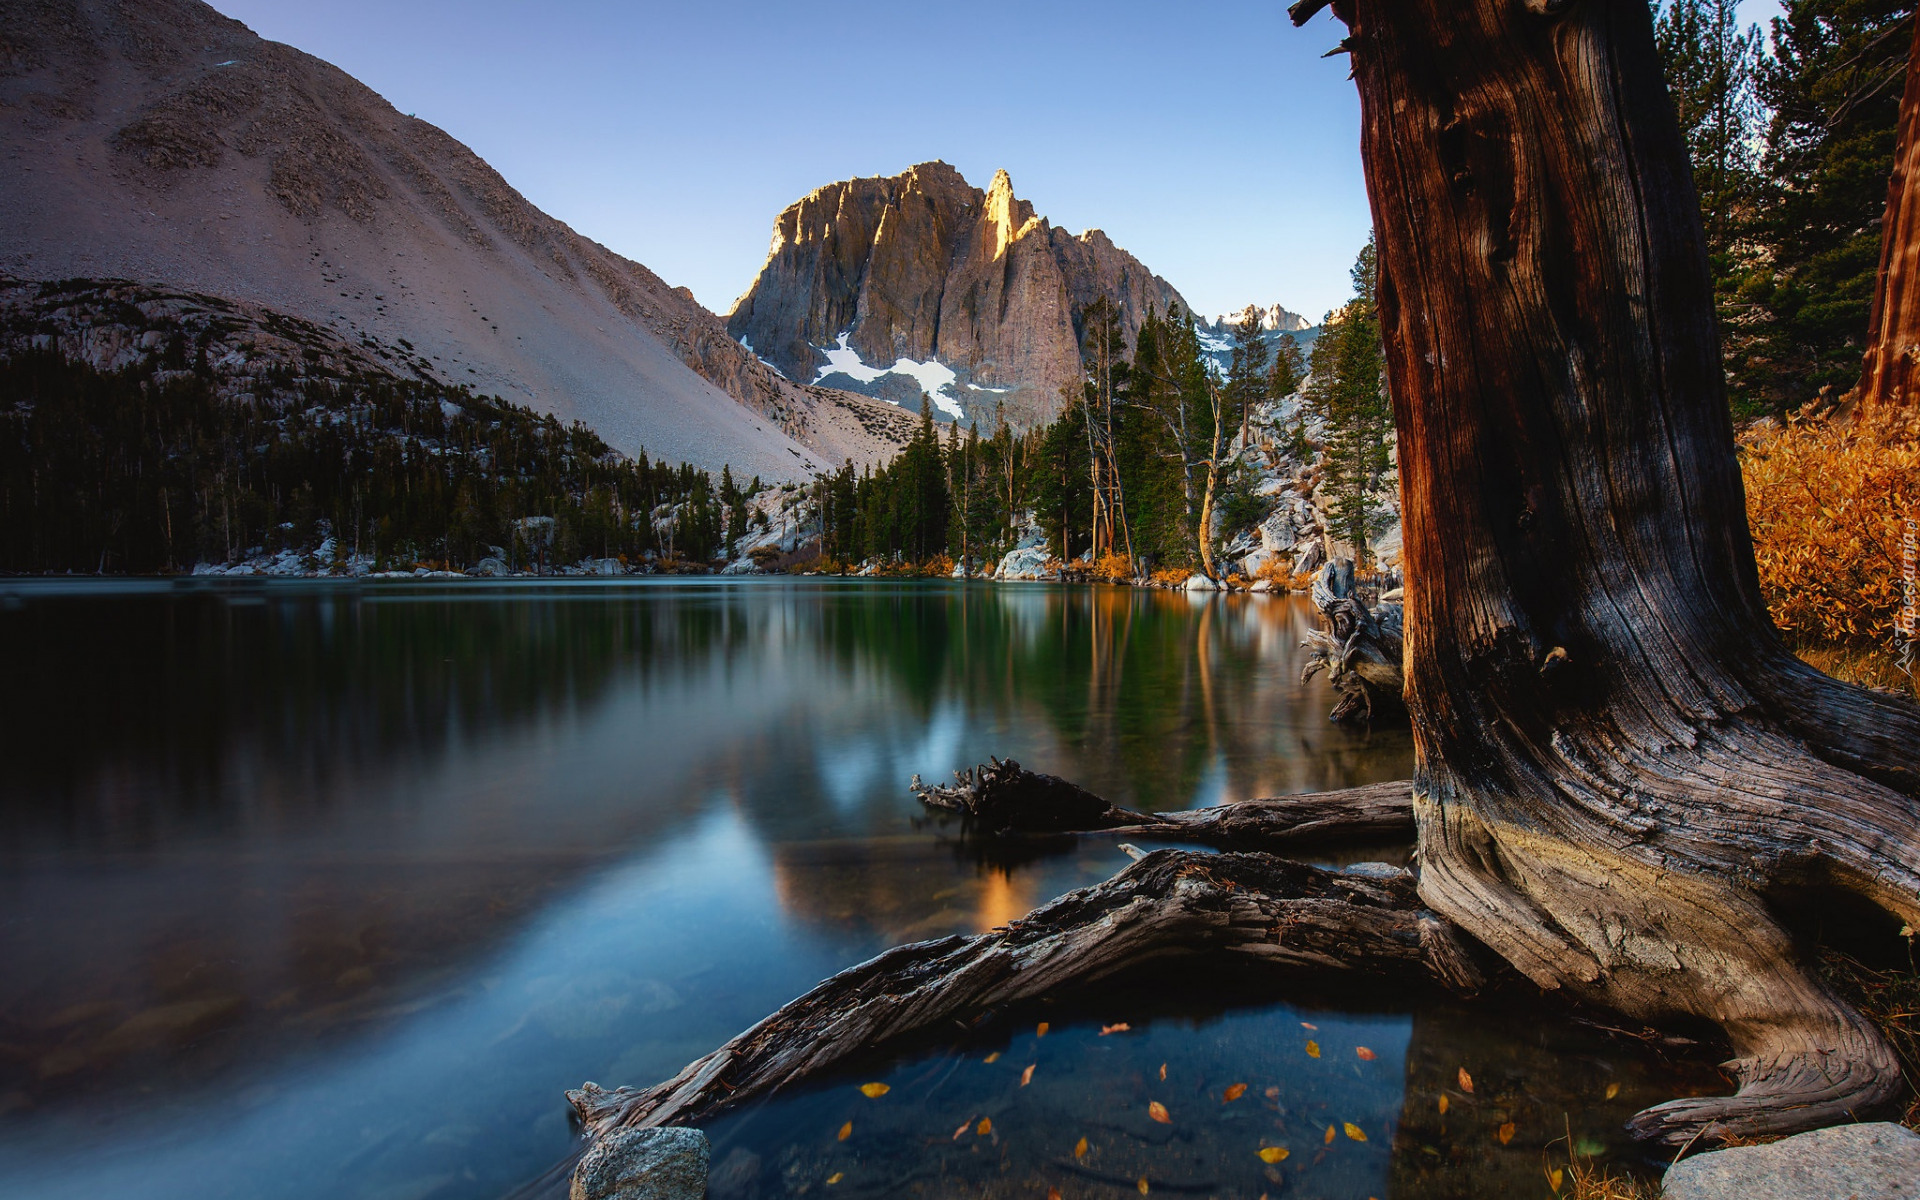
(1620, 769)
(1003, 798)
(1887, 375)
(1170, 905)
(1360, 650)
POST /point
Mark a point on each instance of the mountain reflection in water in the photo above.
(320, 890)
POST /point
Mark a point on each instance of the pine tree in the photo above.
(1833, 84)
(1347, 395)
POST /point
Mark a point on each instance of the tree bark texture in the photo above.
(1893, 340)
(1620, 768)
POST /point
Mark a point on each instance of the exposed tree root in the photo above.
(1360, 650)
(1169, 904)
(1001, 797)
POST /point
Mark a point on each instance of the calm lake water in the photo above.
(319, 890)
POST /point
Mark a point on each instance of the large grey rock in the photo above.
(644, 1164)
(1880, 1161)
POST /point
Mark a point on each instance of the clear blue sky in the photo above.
(1207, 136)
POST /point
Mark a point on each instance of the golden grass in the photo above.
(1828, 500)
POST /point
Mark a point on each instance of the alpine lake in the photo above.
(328, 889)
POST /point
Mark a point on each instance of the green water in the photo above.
(315, 890)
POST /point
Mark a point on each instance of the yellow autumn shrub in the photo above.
(1829, 499)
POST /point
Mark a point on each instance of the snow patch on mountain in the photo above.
(933, 376)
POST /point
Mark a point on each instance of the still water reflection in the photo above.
(318, 891)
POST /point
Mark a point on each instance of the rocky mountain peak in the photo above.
(922, 284)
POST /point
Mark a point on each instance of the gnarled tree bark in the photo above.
(1621, 772)
(1620, 768)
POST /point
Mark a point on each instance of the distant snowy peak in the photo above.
(933, 378)
(1273, 318)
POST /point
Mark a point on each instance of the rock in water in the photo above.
(644, 1164)
(1880, 1161)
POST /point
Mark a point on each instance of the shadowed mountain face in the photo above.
(924, 283)
(161, 142)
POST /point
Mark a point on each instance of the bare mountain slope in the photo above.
(156, 140)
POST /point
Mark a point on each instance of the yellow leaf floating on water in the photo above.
(1158, 1112)
(1554, 1177)
(1330, 1135)
(1466, 1081)
(1613, 1089)
(994, 1057)
(1053, 1194)
(1122, 1027)
(1273, 1154)
(1142, 1185)
(1354, 1131)
(846, 1131)
(836, 1177)
(873, 1091)
(1365, 1054)
(1026, 1076)
(985, 1126)
(1273, 1093)
(1313, 1049)
(1080, 1148)
(1310, 1025)
(1443, 1104)
(1163, 1072)
(964, 1126)
(1042, 1031)
(1234, 1092)
(1505, 1133)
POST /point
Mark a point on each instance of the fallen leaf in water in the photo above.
(836, 1177)
(1313, 1049)
(1122, 1027)
(1443, 1104)
(1555, 1176)
(1053, 1194)
(1158, 1112)
(1613, 1089)
(1354, 1131)
(1365, 1054)
(1163, 1072)
(1330, 1135)
(994, 1057)
(964, 1126)
(1466, 1081)
(1042, 1031)
(985, 1126)
(1026, 1076)
(1310, 1025)
(1142, 1185)
(873, 1091)
(1234, 1092)
(1273, 1154)
(1506, 1133)
(846, 1131)
(1080, 1148)
(1273, 1093)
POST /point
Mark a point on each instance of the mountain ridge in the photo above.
(166, 143)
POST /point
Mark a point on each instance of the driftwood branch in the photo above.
(1360, 649)
(1000, 797)
(1170, 904)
